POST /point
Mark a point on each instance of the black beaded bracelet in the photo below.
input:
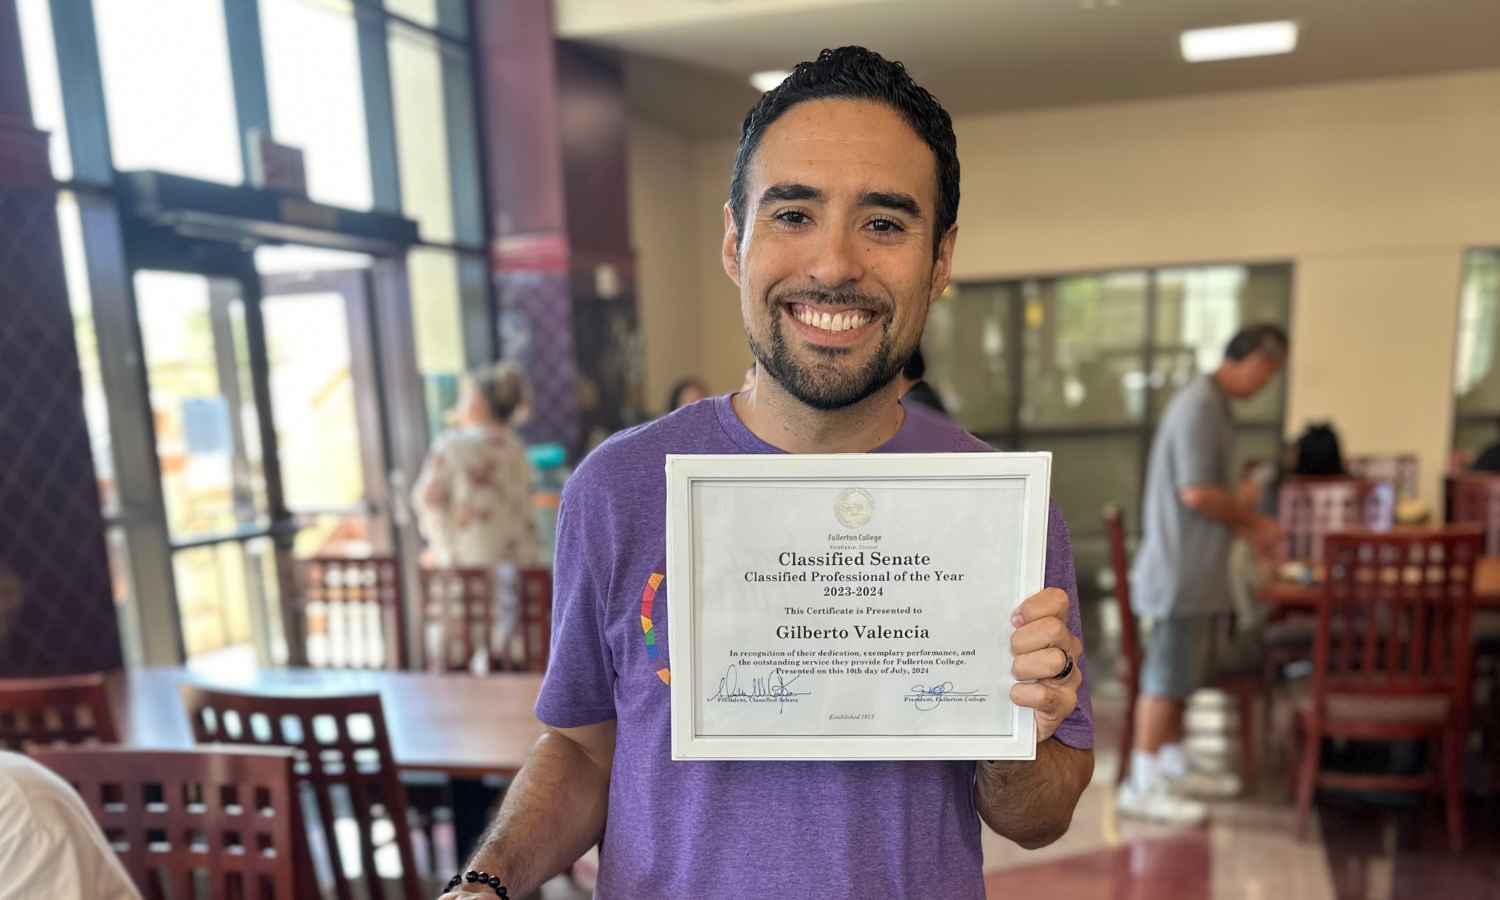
(473, 877)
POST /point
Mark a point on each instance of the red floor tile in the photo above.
(1174, 868)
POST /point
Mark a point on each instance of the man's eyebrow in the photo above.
(892, 200)
(778, 193)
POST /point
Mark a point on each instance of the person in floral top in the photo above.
(473, 498)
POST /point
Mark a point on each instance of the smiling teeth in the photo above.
(833, 321)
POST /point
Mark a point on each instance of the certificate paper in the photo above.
(851, 606)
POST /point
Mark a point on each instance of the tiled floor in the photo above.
(1355, 850)
(1246, 853)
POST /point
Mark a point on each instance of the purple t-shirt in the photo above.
(724, 830)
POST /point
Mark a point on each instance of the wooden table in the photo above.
(464, 726)
(1294, 595)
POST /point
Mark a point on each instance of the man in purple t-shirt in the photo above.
(839, 232)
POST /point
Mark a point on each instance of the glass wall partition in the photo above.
(1083, 365)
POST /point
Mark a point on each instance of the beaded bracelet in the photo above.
(473, 877)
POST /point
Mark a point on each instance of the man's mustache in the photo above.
(825, 297)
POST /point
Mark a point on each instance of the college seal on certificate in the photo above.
(854, 507)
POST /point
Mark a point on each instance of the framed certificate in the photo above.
(851, 606)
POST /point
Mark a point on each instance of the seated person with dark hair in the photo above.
(1319, 453)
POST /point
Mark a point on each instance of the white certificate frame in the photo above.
(858, 470)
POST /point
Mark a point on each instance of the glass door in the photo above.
(327, 395)
(196, 336)
(272, 445)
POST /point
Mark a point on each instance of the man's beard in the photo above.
(822, 384)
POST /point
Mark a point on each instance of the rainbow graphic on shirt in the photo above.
(648, 599)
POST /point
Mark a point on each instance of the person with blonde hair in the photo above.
(473, 497)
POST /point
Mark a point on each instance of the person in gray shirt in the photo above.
(1191, 516)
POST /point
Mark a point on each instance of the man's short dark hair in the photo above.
(1262, 338)
(854, 73)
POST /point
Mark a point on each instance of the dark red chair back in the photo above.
(457, 616)
(1130, 646)
(69, 709)
(1396, 614)
(352, 612)
(459, 606)
(176, 816)
(535, 624)
(1129, 665)
(1474, 498)
(1312, 508)
(343, 755)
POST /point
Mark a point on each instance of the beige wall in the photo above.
(662, 223)
(1372, 189)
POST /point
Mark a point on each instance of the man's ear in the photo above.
(730, 250)
(942, 267)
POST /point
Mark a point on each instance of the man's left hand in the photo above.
(1042, 646)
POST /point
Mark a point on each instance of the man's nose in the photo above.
(836, 260)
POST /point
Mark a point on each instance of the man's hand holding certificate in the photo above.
(1044, 649)
(864, 608)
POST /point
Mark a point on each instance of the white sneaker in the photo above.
(1160, 805)
(1208, 785)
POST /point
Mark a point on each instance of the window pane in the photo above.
(437, 317)
(204, 422)
(312, 393)
(1087, 473)
(222, 590)
(1197, 311)
(421, 132)
(449, 16)
(167, 87)
(478, 324)
(1084, 343)
(80, 299)
(317, 97)
(968, 347)
(463, 147)
(1476, 381)
(42, 81)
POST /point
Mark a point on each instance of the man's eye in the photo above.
(792, 217)
(885, 226)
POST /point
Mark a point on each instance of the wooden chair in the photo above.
(534, 587)
(1400, 469)
(1391, 660)
(458, 611)
(343, 764)
(1312, 508)
(179, 816)
(1473, 498)
(1244, 688)
(352, 612)
(457, 617)
(70, 709)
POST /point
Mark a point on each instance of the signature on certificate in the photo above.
(925, 698)
(774, 686)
